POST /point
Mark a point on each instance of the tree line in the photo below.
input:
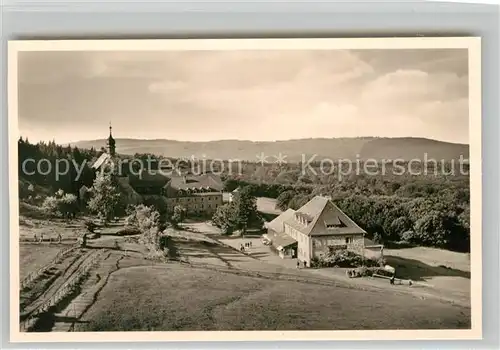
(428, 211)
(35, 161)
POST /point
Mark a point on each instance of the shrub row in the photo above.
(344, 258)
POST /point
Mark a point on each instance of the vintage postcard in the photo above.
(245, 189)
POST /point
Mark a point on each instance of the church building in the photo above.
(199, 194)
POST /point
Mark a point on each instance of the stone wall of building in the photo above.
(201, 203)
(321, 244)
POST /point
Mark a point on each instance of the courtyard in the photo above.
(257, 249)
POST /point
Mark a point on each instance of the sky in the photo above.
(251, 95)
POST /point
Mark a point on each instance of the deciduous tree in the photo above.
(178, 215)
(105, 197)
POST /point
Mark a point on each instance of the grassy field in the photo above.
(34, 256)
(444, 270)
(433, 257)
(28, 227)
(174, 297)
(227, 290)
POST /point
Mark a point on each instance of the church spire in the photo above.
(111, 142)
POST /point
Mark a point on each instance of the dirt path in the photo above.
(68, 315)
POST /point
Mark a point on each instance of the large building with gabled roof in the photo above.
(317, 228)
(199, 194)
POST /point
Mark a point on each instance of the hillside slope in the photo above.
(336, 148)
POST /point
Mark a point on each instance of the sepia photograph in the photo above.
(295, 188)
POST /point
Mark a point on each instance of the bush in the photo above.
(61, 204)
(381, 262)
(178, 215)
(68, 205)
(408, 236)
(364, 271)
(146, 221)
(144, 218)
(343, 258)
(50, 205)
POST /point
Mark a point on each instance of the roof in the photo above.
(277, 225)
(100, 161)
(148, 178)
(320, 217)
(369, 243)
(280, 239)
(189, 182)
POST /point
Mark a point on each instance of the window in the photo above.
(348, 240)
(334, 223)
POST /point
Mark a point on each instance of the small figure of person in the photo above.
(242, 248)
(298, 264)
(410, 283)
(250, 244)
(392, 279)
(41, 237)
(35, 238)
(305, 264)
(83, 243)
(59, 238)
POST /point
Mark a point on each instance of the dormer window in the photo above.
(303, 219)
(334, 223)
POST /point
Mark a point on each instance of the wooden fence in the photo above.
(57, 259)
(66, 289)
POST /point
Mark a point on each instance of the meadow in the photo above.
(175, 297)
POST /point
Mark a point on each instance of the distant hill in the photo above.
(335, 148)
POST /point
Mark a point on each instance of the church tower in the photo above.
(110, 144)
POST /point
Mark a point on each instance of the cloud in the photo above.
(415, 85)
(246, 94)
(263, 84)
